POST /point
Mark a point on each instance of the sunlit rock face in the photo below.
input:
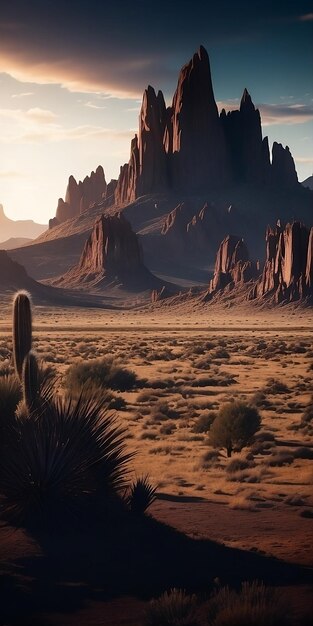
(232, 266)
(112, 248)
(288, 271)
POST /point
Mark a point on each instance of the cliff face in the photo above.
(288, 271)
(249, 156)
(199, 157)
(112, 249)
(232, 266)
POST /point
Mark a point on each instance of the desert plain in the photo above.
(189, 361)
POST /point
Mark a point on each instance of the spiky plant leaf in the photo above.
(10, 395)
(142, 495)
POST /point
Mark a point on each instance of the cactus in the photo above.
(22, 330)
(30, 381)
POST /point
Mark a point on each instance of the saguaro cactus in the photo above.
(30, 381)
(22, 330)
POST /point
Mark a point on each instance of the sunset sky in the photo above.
(72, 76)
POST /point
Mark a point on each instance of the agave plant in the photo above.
(142, 495)
(60, 460)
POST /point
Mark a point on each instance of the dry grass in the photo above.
(189, 373)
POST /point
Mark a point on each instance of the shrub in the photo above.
(101, 373)
(142, 495)
(307, 417)
(237, 465)
(234, 426)
(253, 605)
(204, 422)
(173, 608)
(274, 386)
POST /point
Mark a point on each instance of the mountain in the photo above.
(19, 228)
(308, 182)
(193, 176)
(14, 242)
(111, 257)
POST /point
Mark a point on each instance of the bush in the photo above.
(274, 386)
(234, 426)
(101, 373)
(173, 608)
(237, 465)
(204, 422)
(254, 605)
(307, 417)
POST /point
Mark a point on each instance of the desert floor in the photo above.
(188, 363)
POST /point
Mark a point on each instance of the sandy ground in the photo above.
(189, 364)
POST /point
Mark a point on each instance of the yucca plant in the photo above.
(10, 395)
(141, 495)
(173, 608)
(61, 460)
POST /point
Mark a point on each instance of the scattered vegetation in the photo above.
(253, 605)
(173, 608)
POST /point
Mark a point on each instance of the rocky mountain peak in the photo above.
(246, 103)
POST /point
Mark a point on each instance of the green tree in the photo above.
(234, 426)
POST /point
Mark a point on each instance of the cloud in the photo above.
(303, 159)
(36, 115)
(92, 105)
(308, 17)
(55, 133)
(25, 94)
(10, 174)
(272, 114)
(285, 114)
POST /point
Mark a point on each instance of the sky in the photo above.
(72, 75)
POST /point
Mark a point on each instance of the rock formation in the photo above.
(80, 196)
(249, 155)
(232, 266)
(288, 271)
(187, 150)
(111, 255)
(199, 158)
(283, 171)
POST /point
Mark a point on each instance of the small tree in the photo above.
(234, 426)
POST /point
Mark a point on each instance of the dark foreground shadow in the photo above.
(134, 557)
